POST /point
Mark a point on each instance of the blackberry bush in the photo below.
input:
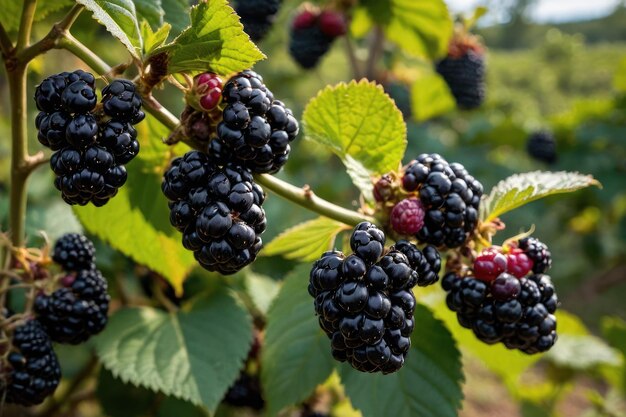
(364, 300)
(218, 209)
(256, 130)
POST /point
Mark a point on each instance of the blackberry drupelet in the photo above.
(74, 252)
(517, 312)
(426, 262)
(465, 76)
(493, 261)
(49, 93)
(364, 302)
(541, 146)
(450, 196)
(538, 252)
(218, 210)
(33, 371)
(257, 16)
(121, 101)
(256, 130)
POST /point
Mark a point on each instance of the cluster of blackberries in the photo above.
(445, 210)
(541, 146)
(70, 314)
(91, 148)
(218, 209)
(501, 303)
(364, 300)
(256, 130)
(312, 33)
(257, 16)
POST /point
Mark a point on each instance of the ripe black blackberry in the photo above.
(121, 101)
(541, 145)
(365, 304)
(512, 311)
(307, 45)
(245, 392)
(74, 252)
(218, 210)
(75, 313)
(32, 370)
(538, 252)
(450, 195)
(256, 129)
(49, 93)
(257, 16)
(426, 262)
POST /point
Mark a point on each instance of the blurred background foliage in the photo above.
(568, 77)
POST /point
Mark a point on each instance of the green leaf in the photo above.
(194, 355)
(215, 41)
(430, 97)
(153, 40)
(296, 354)
(176, 14)
(11, 10)
(305, 241)
(361, 125)
(520, 189)
(150, 11)
(422, 28)
(479, 12)
(120, 18)
(429, 384)
(582, 353)
(136, 220)
(262, 290)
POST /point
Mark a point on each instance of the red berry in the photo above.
(332, 23)
(207, 90)
(489, 264)
(209, 78)
(518, 263)
(304, 19)
(211, 99)
(407, 217)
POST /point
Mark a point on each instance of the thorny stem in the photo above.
(6, 46)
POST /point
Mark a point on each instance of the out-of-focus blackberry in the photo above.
(312, 33)
(541, 145)
(218, 210)
(31, 370)
(538, 252)
(256, 130)
(74, 252)
(450, 196)
(257, 16)
(245, 392)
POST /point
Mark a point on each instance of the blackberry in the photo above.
(465, 76)
(121, 101)
(407, 217)
(207, 91)
(75, 313)
(120, 139)
(256, 130)
(365, 305)
(450, 196)
(426, 262)
(245, 392)
(51, 129)
(541, 146)
(257, 16)
(79, 97)
(307, 45)
(218, 210)
(517, 312)
(33, 371)
(538, 253)
(82, 131)
(74, 252)
(49, 93)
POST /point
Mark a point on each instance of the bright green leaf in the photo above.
(262, 290)
(520, 189)
(215, 41)
(139, 214)
(10, 10)
(153, 40)
(361, 23)
(305, 241)
(193, 355)
(422, 28)
(430, 97)
(362, 125)
(151, 11)
(619, 80)
(429, 384)
(478, 13)
(120, 18)
(296, 354)
(176, 14)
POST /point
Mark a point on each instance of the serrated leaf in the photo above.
(262, 290)
(120, 18)
(153, 40)
(360, 123)
(11, 10)
(215, 41)
(429, 384)
(430, 97)
(422, 28)
(150, 11)
(193, 355)
(305, 241)
(520, 189)
(296, 354)
(136, 221)
(176, 14)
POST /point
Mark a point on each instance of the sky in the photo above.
(548, 10)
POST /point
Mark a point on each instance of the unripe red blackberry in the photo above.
(407, 217)
(332, 23)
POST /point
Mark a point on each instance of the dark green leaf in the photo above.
(176, 14)
(296, 355)
(194, 355)
(429, 384)
(10, 10)
(151, 11)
